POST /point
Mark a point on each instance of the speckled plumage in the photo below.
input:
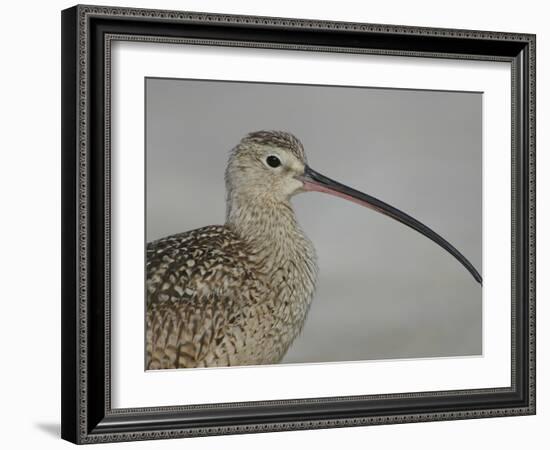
(239, 293)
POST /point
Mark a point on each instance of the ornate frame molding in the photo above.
(88, 32)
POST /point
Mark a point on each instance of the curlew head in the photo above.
(265, 166)
(268, 167)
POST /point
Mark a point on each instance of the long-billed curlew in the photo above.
(239, 293)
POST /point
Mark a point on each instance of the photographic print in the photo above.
(293, 223)
(335, 220)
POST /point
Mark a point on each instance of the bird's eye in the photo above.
(273, 161)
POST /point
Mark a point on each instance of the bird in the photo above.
(238, 294)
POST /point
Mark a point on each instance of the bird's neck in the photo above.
(270, 227)
(285, 257)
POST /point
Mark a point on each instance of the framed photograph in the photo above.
(279, 224)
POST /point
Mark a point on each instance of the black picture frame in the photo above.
(87, 416)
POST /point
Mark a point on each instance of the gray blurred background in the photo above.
(384, 290)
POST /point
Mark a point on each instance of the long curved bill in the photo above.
(314, 181)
